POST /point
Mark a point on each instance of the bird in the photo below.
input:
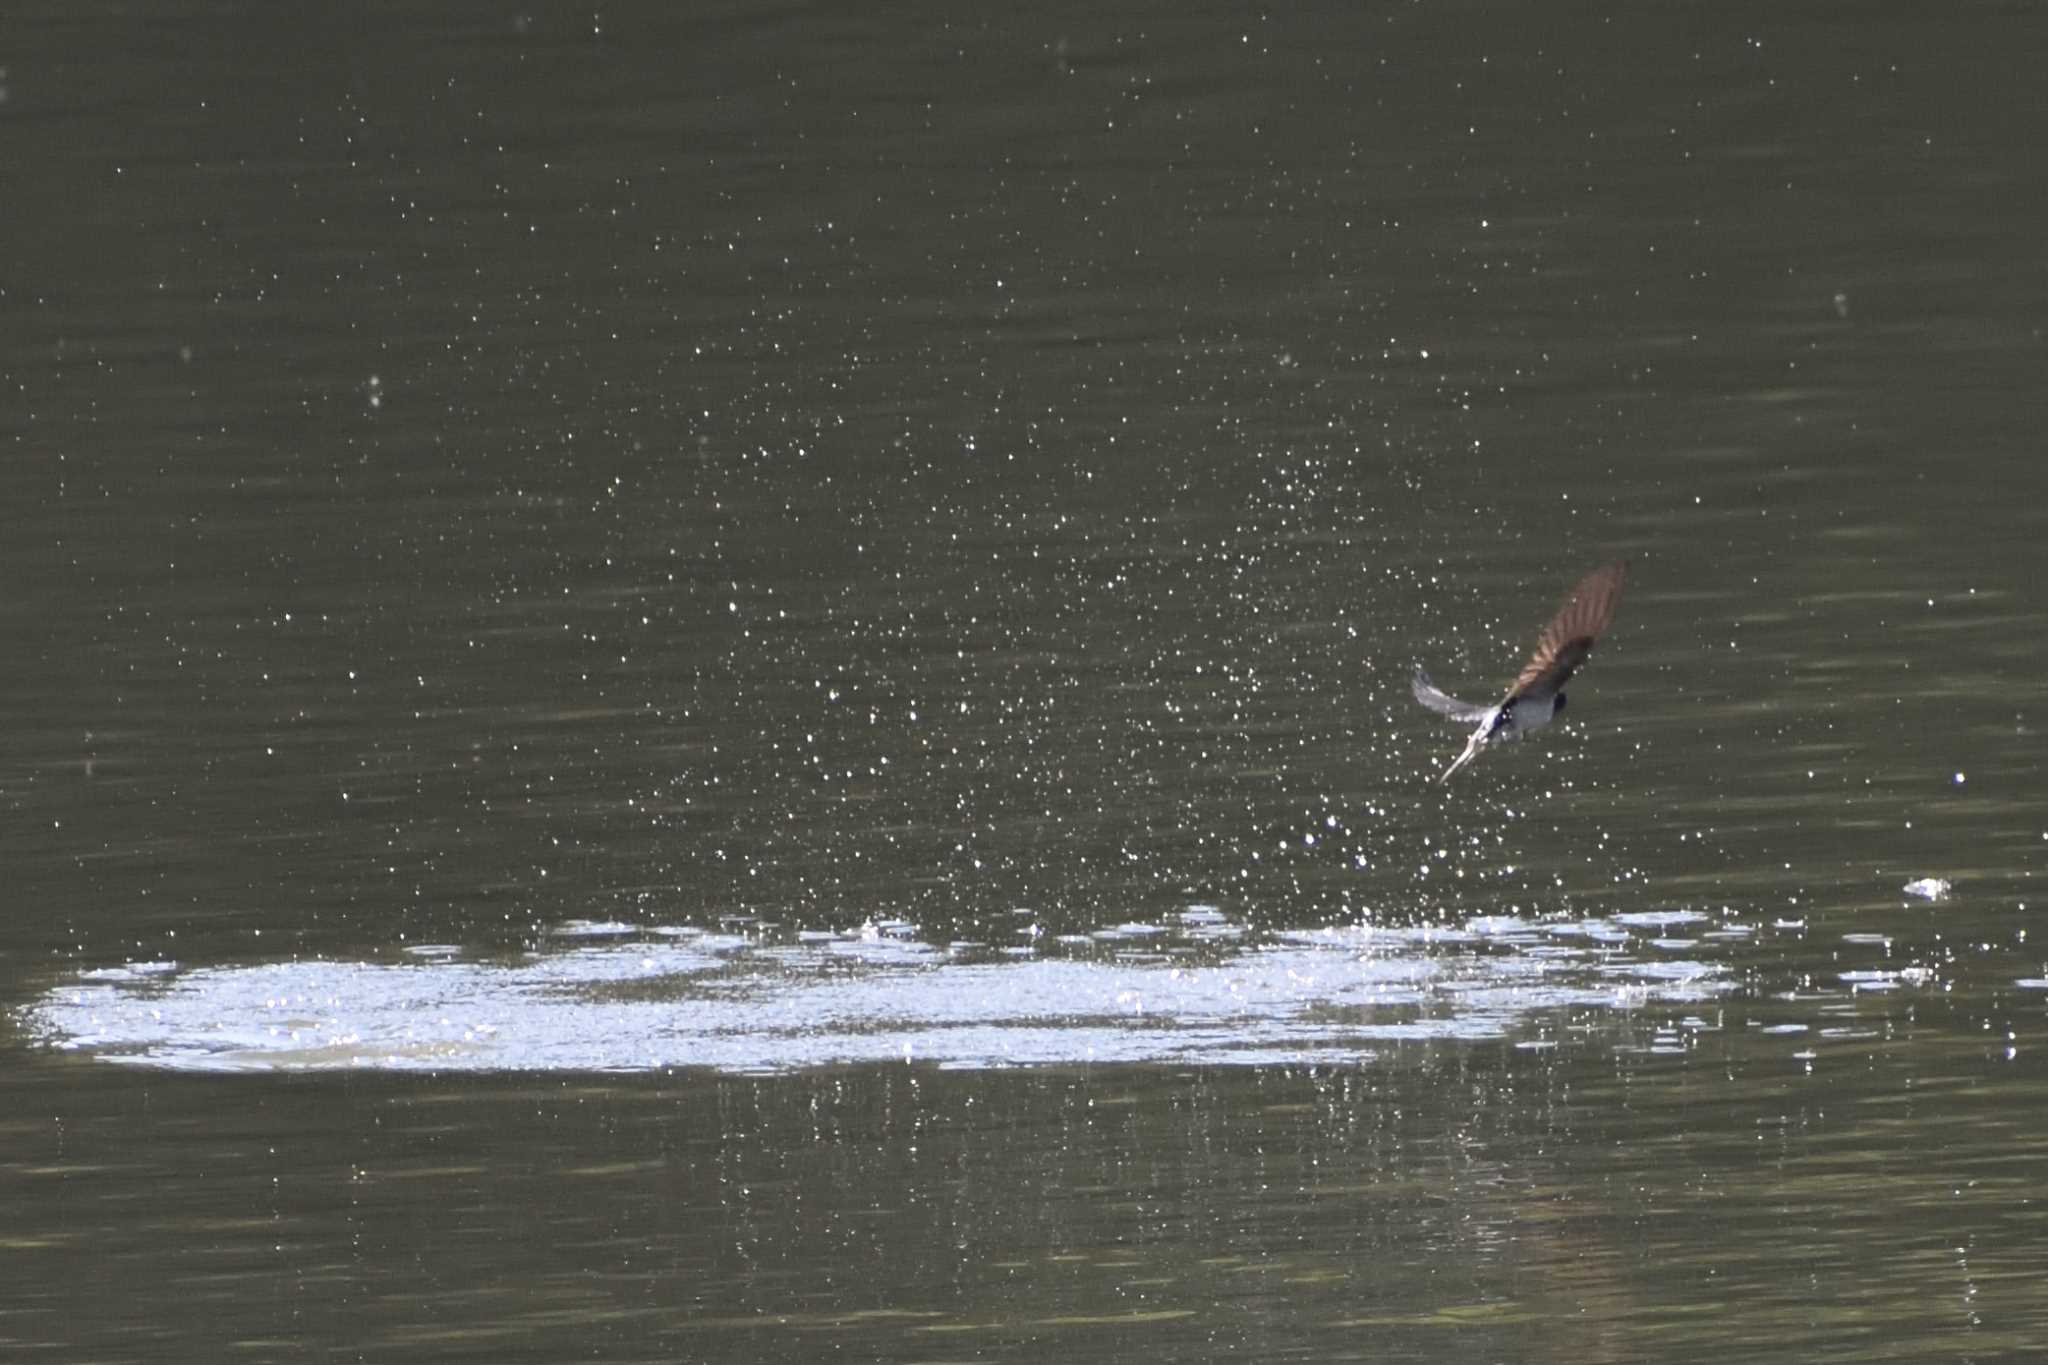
(1537, 695)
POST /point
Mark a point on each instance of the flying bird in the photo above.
(1537, 694)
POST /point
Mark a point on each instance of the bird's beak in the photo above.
(1471, 752)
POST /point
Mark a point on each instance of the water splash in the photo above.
(615, 997)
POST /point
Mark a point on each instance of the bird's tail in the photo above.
(1471, 752)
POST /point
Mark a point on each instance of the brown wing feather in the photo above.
(1568, 639)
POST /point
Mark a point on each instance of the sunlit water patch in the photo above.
(619, 997)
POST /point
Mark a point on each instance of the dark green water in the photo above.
(731, 683)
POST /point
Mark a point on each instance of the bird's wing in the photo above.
(1444, 704)
(1569, 638)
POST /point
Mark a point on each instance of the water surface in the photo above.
(730, 683)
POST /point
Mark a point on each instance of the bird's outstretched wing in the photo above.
(1444, 704)
(1571, 634)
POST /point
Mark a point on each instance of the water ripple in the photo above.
(638, 999)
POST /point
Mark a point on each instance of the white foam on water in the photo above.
(658, 998)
